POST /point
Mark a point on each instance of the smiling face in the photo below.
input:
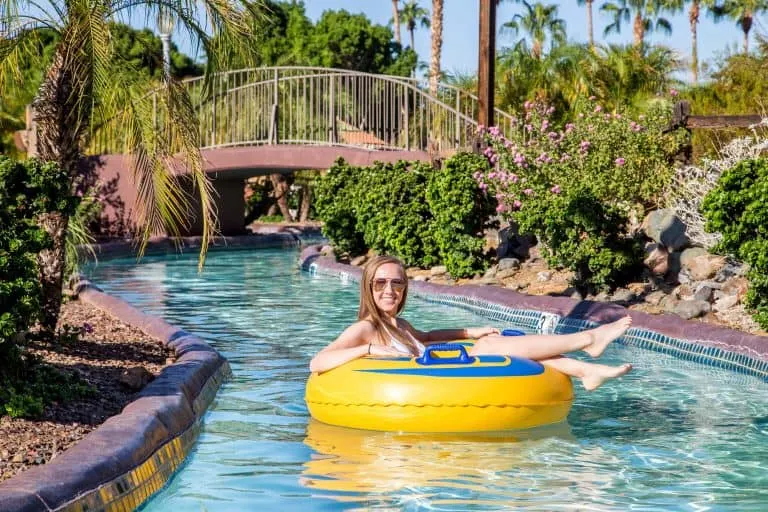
(387, 286)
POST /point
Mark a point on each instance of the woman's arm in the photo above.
(351, 344)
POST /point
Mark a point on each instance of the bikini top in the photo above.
(400, 347)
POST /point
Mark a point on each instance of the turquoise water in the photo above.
(672, 435)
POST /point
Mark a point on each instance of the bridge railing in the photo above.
(320, 106)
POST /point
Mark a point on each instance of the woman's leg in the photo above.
(592, 375)
(543, 346)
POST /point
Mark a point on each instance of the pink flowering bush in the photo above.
(543, 177)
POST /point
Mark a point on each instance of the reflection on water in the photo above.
(671, 435)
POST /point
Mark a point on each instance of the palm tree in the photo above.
(396, 20)
(645, 16)
(694, 14)
(437, 46)
(539, 22)
(87, 83)
(743, 12)
(590, 30)
(413, 14)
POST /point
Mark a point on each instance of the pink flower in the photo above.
(517, 204)
(501, 208)
(620, 161)
(513, 178)
(569, 127)
(617, 116)
(494, 131)
(592, 98)
(480, 128)
(483, 186)
(550, 111)
(544, 125)
(555, 189)
(528, 105)
(528, 191)
(673, 92)
(598, 108)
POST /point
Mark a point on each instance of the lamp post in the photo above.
(165, 26)
(487, 62)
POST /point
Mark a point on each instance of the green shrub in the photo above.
(393, 214)
(409, 210)
(334, 203)
(738, 209)
(583, 234)
(462, 212)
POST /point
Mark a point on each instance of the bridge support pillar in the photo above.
(230, 205)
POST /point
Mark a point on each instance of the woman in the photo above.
(379, 332)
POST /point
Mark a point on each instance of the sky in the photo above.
(461, 18)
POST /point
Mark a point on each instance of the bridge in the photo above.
(282, 119)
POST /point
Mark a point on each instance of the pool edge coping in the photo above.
(709, 336)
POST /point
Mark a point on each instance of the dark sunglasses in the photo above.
(397, 285)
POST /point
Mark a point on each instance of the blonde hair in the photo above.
(369, 311)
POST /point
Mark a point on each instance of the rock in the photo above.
(573, 293)
(669, 303)
(726, 302)
(491, 272)
(438, 270)
(601, 297)
(623, 296)
(683, 292)
(737, 286)
(655, 298)
(506, 273)
(327, 250)
(688, 309)
(712, 284)
(411, 272)
(487, 281)
(509, 263)
(19, 457)
(421, 277)
(705, 267)
(703, 293)
(135, 378)
(544, 276)
(511, 243)
(687, 256)
(358, 261)
(514, 285)
(729, 270)
(657, 259)
(664, 227)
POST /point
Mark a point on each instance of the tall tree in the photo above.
(590, 29)
(437, 46)
(645, 16)
(396, 20)
(743, 12)
(539, 22)
(88, 83)
(694, 14)
(413, 14)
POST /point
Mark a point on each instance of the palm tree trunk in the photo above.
(62, 113)
(536, 49)
(396, 20)
(413, 41)
(693, 17)
(437, 45)
(281, 186)
(638, 29)
(746, 26)
(590, 29)
(306, 202)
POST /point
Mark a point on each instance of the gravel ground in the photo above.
(99, 357)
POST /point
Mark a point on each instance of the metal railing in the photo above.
(321, 106)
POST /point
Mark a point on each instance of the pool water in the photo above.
(672, 435)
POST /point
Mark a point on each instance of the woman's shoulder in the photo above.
(363, 326)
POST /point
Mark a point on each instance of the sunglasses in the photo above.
(397, 285)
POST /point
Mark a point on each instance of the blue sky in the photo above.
(460, 31)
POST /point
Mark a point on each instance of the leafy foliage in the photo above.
(462, 212)
(27, 190)
(738, 209)
(410, 210)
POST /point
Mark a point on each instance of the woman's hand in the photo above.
(479, 332)
(383, 350)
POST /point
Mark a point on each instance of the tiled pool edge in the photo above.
(696, 341)
(132, 455)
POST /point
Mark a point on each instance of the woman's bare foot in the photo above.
(605, 334)
(599, 373)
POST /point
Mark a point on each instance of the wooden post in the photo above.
(486, 63)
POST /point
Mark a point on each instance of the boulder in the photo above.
(327, 250)
(135, 378)
(701, 267)
(358, 261)
(655, 298)
(421, 277)
(665, 228)
(513, 244)
(491, 272)
(725, 303)
(623, 296)
(505, 274)
(544, 276)
(509, 263)
(703, 293)
(657, 259)
(438, 270)
(688, 309)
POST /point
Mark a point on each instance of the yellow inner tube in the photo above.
(443, 391)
